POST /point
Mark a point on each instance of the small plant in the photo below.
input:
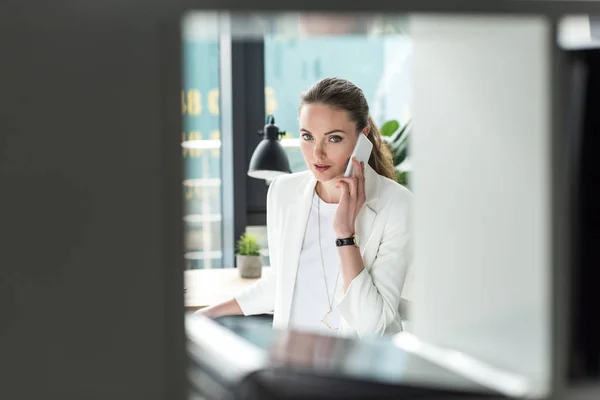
(396, 137)
(247, 245)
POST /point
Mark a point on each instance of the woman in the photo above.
(316, 283)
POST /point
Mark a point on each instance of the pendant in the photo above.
(324, 321)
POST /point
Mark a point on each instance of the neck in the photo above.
(327, 191)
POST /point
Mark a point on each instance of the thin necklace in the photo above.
(329, 299)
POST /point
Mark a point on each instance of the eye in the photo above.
(336, 139)
(306, 136)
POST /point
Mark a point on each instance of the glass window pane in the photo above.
(201, 143)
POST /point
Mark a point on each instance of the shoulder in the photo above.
(291, 180)
(393, 193)
(287, 184)
(394, 202)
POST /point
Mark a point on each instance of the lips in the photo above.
(321, 167)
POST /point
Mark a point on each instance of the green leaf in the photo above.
(401, 135)
(248, 245)
(389, 128)
(399, 143)
(402, 177)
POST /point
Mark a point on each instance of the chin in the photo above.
(325, 176)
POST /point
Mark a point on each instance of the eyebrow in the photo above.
(326, 133)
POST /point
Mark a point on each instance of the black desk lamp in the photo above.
(269, 159)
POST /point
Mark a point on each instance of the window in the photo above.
(201, 143)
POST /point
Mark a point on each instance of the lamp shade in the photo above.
(269, 159)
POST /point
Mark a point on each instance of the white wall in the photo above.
(481, 181)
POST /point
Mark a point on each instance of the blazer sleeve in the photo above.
(371, 301)
(259, 298)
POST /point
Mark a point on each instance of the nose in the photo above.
(319, 152)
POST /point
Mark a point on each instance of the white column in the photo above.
(481, 177)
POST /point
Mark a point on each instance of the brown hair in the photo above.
(341, 94)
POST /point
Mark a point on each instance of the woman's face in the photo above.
(327, 138)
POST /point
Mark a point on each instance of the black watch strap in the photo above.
(346, 242)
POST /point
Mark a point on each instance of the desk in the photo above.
(205, 287)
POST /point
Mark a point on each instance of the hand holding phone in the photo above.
(353, 195)
(362, 152)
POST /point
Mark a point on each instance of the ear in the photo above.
(367, 130)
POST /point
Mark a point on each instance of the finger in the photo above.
(361, 183)
(357, 169)
(344, 187)
(352, 186)
(359, 172)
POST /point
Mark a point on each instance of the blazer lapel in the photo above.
(295, 228)
(366, 216)
(364, 226)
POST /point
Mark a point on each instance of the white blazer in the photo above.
(370, 304)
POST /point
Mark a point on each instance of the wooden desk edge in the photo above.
(196, 307)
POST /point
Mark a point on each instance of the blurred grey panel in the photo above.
(595, 26)
(481, 174)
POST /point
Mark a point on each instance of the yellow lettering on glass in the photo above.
(184, 149)
(213, 101)
(215, 135)
(195, 135)
(194, 102)
(270, 100)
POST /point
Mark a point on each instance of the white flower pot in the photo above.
(249, 267)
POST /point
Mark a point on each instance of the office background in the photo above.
(377, 61)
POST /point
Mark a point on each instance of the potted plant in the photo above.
(396, 137)
(248, 258)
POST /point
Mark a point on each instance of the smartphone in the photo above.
(362, 152)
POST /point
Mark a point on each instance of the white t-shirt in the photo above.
(310, 303)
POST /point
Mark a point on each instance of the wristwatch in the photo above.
(351, 241)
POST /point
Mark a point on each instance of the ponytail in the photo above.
(381, 157)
